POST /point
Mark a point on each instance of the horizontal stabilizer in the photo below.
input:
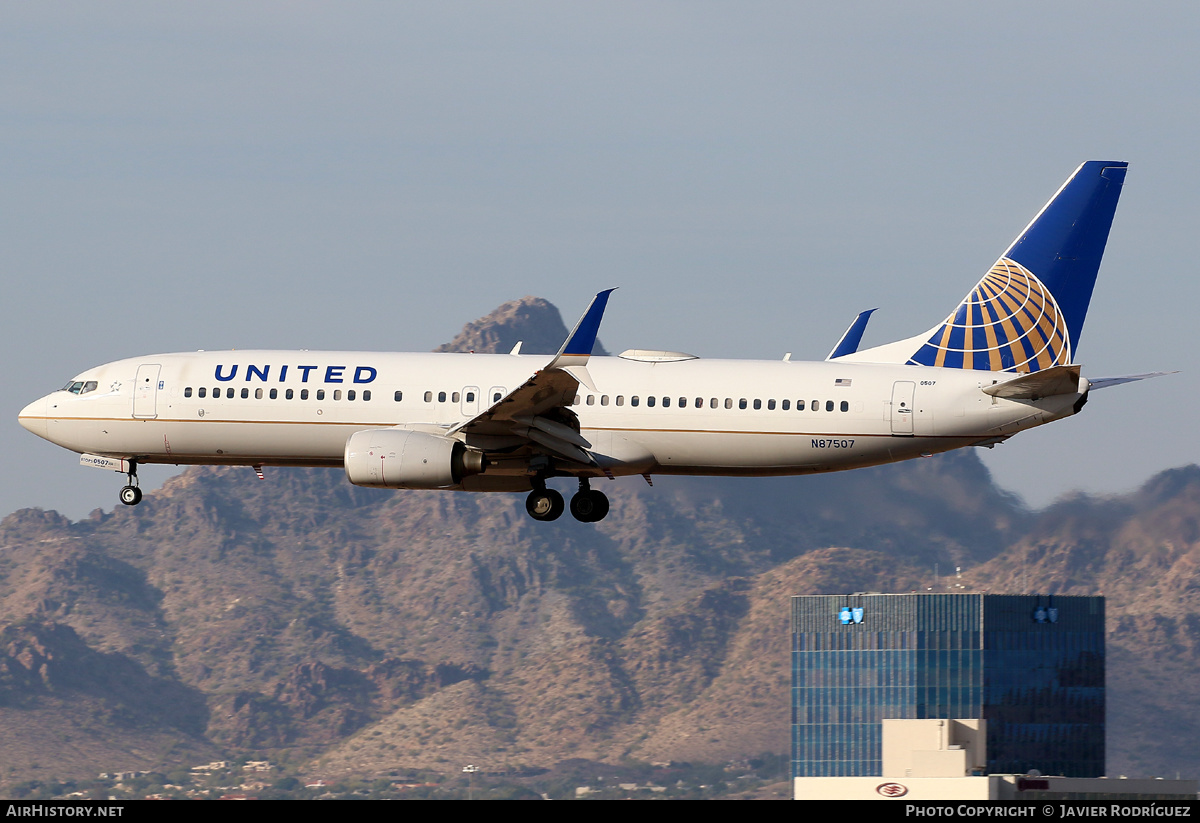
(1107, 382)
(1039, 384)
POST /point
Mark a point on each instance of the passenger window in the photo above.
(245, 393)
(274, 394)
(350, 395)
(604, 400)
(496, 397)
(666, 402)
(785, 405)
(428, 397)
(729, 402)
(441, 397)
(366, 394)
(712, 404)
(258, 394)
(651, 400)
(320, 394)
(699, 402)
(304, 394)
(816, 405)
(337, 394)
(576, 401)
(399, 396)
(187, 392)
(757, 404)
(454, 398)
(470, 396)
(591, 399)
(770, 405)
(620, 400)
(229, 392)
(217, 392)
(799, 405)
(742, 403)
(633, 401)
(828, 405)
(845, 405)
(289, 394)
(202, 393)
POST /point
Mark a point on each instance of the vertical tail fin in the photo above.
(1027, 313)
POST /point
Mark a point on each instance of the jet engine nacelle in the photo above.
(402, 459)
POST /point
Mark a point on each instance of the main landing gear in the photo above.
(131, 495)
(587, 505)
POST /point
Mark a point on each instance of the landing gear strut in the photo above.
(131, 495)
(588, 505)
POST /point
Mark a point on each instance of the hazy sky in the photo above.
(374, 175)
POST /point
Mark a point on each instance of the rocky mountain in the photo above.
(531, 321)
(360, 632)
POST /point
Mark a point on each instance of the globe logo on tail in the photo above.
(1008, 322)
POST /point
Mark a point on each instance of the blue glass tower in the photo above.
(1032, 666)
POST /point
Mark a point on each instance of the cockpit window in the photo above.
(79, 386)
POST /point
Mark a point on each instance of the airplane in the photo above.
(1000, 363)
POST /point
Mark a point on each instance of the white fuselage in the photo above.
(691, 416)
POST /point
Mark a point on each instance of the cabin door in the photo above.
(145, 392)
(902, 407)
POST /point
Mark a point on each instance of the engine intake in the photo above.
(402, 459)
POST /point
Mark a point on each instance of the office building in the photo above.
(1030, 667)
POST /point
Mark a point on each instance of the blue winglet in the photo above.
(853, 336)
(582, 339)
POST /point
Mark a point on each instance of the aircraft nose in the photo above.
(33, 417)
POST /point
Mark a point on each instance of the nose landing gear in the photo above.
(131, 495)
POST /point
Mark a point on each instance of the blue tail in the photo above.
(1027, 313)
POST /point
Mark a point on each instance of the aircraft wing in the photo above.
(538, 411)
